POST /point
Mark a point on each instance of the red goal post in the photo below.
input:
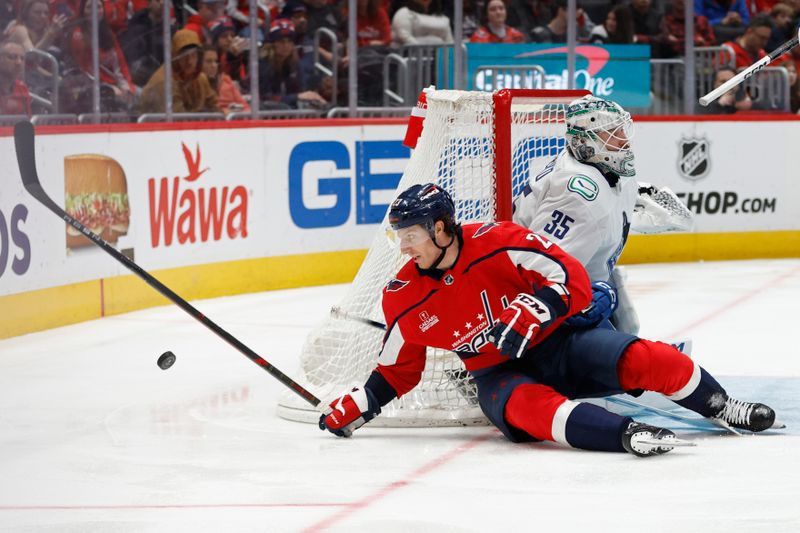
(504, 101)
(483, 148)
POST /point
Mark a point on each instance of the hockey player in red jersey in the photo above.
(497, 295)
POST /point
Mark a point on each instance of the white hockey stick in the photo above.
(749, 71)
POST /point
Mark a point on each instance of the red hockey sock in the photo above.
(654, 366)
(532, 408)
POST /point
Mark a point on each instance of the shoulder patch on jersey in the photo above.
(583, 186)
(484, 229)
(395, 285)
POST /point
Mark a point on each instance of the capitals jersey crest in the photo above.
(395, 285)
(484, 229)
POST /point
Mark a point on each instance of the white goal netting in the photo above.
(457, 150)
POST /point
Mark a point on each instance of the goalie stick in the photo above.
(24, 143)
(749, 71)
(338, 312)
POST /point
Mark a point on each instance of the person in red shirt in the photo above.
(372, 24)
(207, 11)
(749, 48)
(14, 96)
(498, 295)
(673, 31)
(114, 72)
(495, 29)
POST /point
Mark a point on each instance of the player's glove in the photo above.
(604, 303)
(518, 324)
(350, 412)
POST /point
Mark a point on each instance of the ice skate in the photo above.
(745, 415)
(643, 440)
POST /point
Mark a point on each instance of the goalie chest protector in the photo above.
(573, 205)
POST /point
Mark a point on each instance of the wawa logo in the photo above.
(195, 213)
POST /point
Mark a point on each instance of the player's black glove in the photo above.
(349, 412)
(519, 324)
(604, 303)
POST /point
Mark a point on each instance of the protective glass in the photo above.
(404, 237)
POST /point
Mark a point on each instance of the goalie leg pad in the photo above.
(625, 318)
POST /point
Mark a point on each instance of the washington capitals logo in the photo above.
(395, 285)
(484, 229)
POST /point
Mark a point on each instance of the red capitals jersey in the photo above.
(455, 311)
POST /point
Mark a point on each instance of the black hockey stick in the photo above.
(26, 158)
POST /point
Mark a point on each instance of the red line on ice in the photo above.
(372, 498)
(746, 296)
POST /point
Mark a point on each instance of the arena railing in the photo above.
(276, 114)
(707, 60)
(179, 117)
(666, 88)
(770, 90)
(51, 80)
(10, 120)
(106, 118)
(63, 119)
(370, 112)
(399, 92)
(328, 69)
(417, 66)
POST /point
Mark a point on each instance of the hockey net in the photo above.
(468, 139)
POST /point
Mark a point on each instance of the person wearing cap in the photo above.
(207, 11)
(280, 78)
(230, 48)
(296, 11)
(191, 90)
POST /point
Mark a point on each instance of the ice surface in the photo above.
(95, 437)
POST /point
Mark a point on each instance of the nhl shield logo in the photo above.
(694, 161)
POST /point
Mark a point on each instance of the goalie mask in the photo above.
(599, 133)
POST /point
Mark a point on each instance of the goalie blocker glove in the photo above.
(350, 412)
(519, 324)
(604, 303)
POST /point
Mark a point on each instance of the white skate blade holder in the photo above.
(666, 443)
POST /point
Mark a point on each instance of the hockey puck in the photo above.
(166, 360)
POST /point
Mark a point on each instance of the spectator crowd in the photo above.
(43, 40)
